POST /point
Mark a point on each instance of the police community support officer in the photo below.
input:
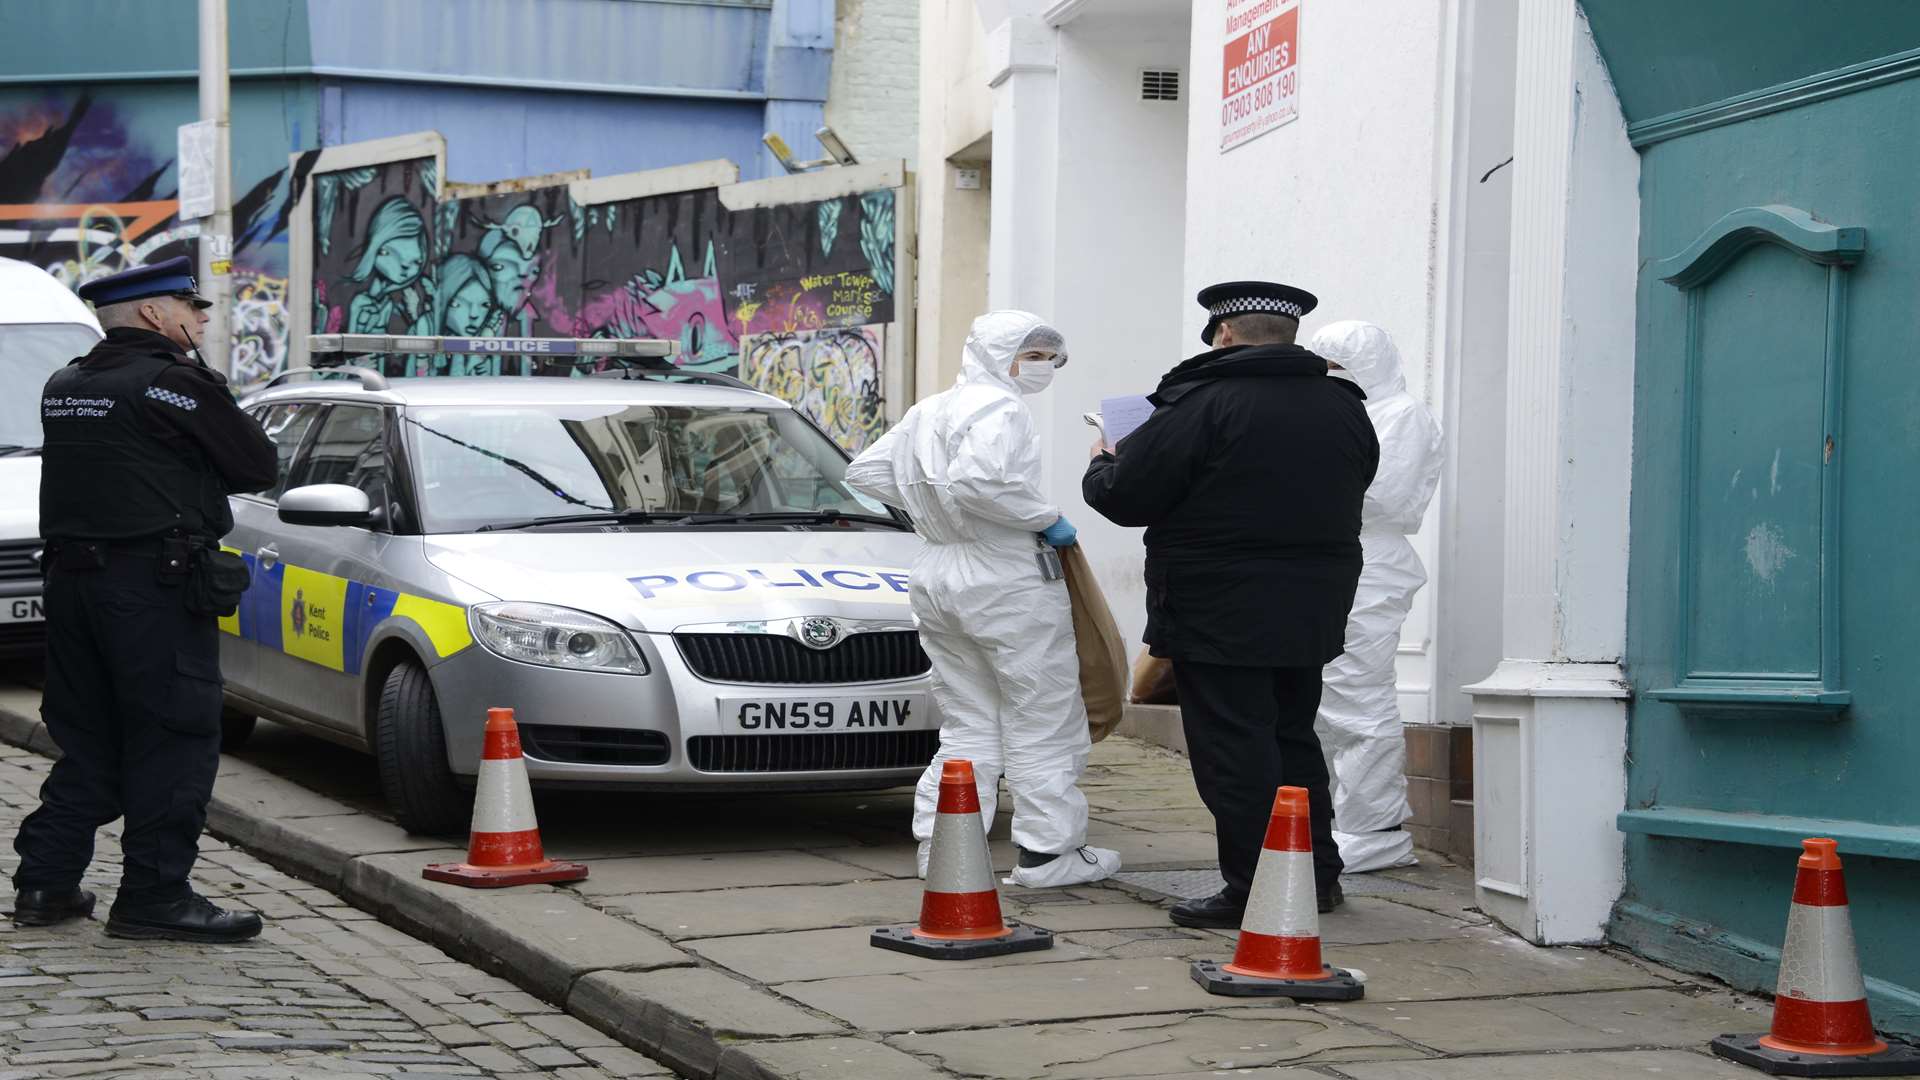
(1249, 477)
(143, 444)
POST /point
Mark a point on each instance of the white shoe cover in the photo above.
(1366, 852)
(1077, 867)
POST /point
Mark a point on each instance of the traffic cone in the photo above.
(960, 908)
(1821, 1026)
(504, 847)
(1279, 950)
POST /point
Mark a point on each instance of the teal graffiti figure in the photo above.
(464, 297)
(512, 269)
(389, 263)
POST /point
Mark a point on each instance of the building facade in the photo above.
(1652, 269)
(518, 89)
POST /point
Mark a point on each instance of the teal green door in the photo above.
(1774, 589)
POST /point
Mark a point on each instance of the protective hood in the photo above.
(1367, 353)
(995, 339)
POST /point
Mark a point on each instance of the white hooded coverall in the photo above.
(966, 464)
(1359, 721)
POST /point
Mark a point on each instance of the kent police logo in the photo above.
(299, 612)
(817, 632)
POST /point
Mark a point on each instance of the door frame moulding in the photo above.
(1838, 249)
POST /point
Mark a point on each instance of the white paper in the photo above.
(1121, 416)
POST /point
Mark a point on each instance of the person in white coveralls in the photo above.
(966, 464)
(1359, 721)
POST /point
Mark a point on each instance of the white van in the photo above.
(43, 325)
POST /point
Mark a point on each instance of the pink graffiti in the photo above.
(689, 311)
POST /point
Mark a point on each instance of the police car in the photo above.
(662, 574)
(43, 326)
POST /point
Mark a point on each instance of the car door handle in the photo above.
(267, 555)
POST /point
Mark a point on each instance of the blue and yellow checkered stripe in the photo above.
(329, 620)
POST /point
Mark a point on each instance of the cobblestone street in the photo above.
(326, 991)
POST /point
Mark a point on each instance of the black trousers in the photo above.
(1249, 732)
(133, 700)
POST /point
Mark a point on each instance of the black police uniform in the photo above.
(1249, 477)
(142, 447)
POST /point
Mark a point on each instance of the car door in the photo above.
(325, 570)
(253, 632)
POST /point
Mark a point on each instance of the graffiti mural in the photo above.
(86, 190)
(831, 375)
(811, 284)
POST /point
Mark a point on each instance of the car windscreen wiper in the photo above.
(10, 449)
(616, 517)
(797, 517)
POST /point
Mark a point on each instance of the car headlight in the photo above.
(555, 637)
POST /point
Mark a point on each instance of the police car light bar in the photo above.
(509, 346)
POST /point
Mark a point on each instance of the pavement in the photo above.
(727, 936)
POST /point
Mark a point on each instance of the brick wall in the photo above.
(1440, 788)
(873, 101)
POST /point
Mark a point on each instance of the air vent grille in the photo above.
(1159, 85)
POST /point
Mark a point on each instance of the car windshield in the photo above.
(480, 467)
(29, 354)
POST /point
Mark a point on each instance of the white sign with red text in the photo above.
(1260, 75)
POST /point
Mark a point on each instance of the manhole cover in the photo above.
(1193, 884)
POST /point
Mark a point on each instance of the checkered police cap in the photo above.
(1231, 298)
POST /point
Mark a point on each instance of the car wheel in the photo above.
(411, 749)
(235, 729)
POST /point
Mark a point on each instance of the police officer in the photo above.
(1249, 477)
(143, 445)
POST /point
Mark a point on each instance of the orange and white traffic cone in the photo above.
(960, 908)
(1821, 1026)
(504, 847)
(1279, 950)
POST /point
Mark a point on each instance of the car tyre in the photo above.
(235, 729)
(410, 748)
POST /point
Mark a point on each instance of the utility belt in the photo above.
(213, 579)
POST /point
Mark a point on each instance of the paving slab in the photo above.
(1181, 819)
(1484, 963)
(318, 849)
(1172, 850)
(245, 795)
(614, 839)
(1615, 1019)
(822, 1059)
(1651, 1065)
(786, 907)
(1222, 1042)
(683, 1016)
(982, 996)
(693, 873)
(1134, 797)
(1113, 911)
(808, 955)
(1367, 920)
(539, 937)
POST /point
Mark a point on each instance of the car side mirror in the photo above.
(326, 504)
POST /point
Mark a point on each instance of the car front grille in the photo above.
(881, 656)
(595, 746)
(23, 639)
(818, 752)
(17, 562)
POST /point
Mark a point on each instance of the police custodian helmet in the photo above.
(168, 277)
(1230, 298)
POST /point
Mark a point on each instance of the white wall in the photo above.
(1343, 202)
(1469, 528)
(1120, 205)
(956, 128)
(873, 94)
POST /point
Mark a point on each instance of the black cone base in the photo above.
(903, 939)
(1215, 979)
(1895, 1060)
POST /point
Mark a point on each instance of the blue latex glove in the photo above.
(1061, 533)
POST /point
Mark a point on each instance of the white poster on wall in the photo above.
(1260, 72)
(196, 169)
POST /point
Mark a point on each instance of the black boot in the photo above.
(192, 919)
(1221, 911)
(45, 907)
(1332, 898)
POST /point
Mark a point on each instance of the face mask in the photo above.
(1035, 376)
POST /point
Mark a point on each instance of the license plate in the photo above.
(882, 712)
(19, 609)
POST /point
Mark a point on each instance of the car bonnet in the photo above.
(658, 580)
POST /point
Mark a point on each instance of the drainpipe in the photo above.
(216, 233)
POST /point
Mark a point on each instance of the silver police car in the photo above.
(666, 578)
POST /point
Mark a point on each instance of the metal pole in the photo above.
(216, 233)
